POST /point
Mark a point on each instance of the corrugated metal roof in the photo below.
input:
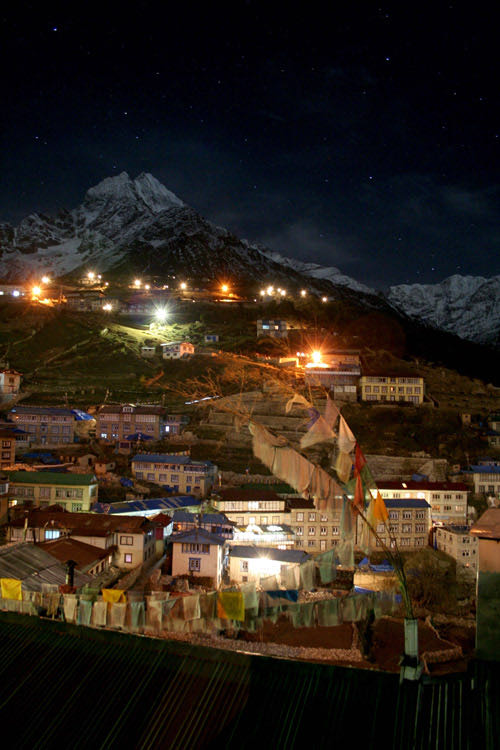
(34, 566)
(488, 526)
(408, 502)
(70, 686)
(197, 536)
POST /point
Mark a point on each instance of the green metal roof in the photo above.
(51, 477)
(68, 686)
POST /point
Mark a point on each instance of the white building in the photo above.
(486, 479)
(248, 563)
(177, 350)
(198, 553)
(448, 500)
(459, 543)
(175, 473)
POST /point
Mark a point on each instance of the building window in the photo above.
(420, 514)
(195, 564)
(322, 545)
(312, 516)
(394, 515)
(128, 540)
(75, 507)
(407, 528)
(311, 544)
(419, 527)
(52, 534)
(323, 531)
(300, 516)
(127, 557)
(311, 530)
(407, 515)
(244, 566)
(299, 530)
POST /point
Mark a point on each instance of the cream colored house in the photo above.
(392, 388)
(198, 553)
(315, 531)
(10, 383)
(448, 500)
(177, 350)
(74, 492)
(408, 524)
(179, 474)
(459, 543)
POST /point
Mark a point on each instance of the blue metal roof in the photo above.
(485, 469)
(407, 502)
(152, 504)
(165, 458)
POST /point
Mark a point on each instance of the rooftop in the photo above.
(423, 485)
(34, 566)
(147, 506)
(197, 536)
(488, 526)
(270, 553)
(165, 458)
(406, 502)
(51, 477)
(234, 493)
(65, 549)
(139, 409)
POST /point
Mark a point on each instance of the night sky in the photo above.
(368, 140)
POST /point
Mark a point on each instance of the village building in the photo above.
(408, 525)
(4, 497)
(487, 531)
(315, 531)
(392, 388)
(73, 492)
(458, 543)
(10, 383)
(341, 379)
(130, 541)
(280, 536)
(249, 564)
(87, 558)
(493, 433)
(36, 568)
(245, 507)
(50, 425)
(177, 350)
(122, 422)
(486, 480)
(276, 329)
(448, 500)
(211, 338)
(215, 523)
(175, 473)
(7, 449)
(148, 352)
(198, 553)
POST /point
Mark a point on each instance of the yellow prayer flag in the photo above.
(11, 588)
(230, 605)
(113, 596)
(380, 510)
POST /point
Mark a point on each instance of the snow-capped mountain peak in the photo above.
(468, 306)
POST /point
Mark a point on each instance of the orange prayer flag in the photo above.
(380, 509)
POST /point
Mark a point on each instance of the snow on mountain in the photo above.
(132, 226)
(468, 306)
(315, 271)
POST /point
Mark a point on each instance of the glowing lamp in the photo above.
(303, 293)
(36, 291)
(183, 285)
(137, 282)
(225, 288)
(160, 314)
(45, 279)
(108, 307)
(316, 357)
(91, 275)
(324, 299)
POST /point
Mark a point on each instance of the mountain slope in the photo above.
(468, 306)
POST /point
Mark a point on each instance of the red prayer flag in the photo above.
(359, 461)
(359, 495)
